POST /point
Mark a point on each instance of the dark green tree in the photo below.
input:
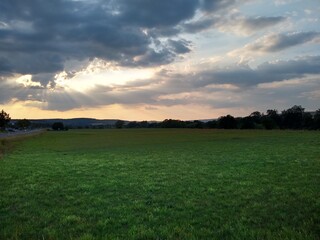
(247, 123)
(292, 118)
(256, 117)
(173, 123)
(272, 114)
(227, 122)
(119, 124)
(58, 126)
(4, 119)
(307, 121)
(133, 124)
(144, 124)
(316, 120)
(194, 124)
(269, 123)
(212, 124)
(23, 123)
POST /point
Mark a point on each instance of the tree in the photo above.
(268, 123)
(119, 124)
(275, 117)
(227, 122)
(247, 123)
(194, 124)
(173, 123)
(307, 121)
(293, 117)
(23, 123)
(212, 124)
(133, 124)
(316, 119)
(144, 124)
(4, 119)
(256, 117)
(58, 126)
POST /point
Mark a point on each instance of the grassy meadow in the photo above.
(161, 184)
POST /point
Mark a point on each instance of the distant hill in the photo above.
(73, 122)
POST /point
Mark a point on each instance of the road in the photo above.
(20, 133)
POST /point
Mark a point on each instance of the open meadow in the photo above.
(161, 184)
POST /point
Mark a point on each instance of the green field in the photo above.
(161, 184)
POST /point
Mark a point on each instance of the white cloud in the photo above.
(275, 43)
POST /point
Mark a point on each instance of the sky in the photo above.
(152, 60)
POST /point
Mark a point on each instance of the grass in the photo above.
(162, 184)
(6, 145)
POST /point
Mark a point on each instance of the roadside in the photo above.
(20, 133)
(7, 140)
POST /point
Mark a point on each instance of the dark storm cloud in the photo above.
(6, 95)
(4, 66)
(40, 36)
(164, 32)
(44, 78)
(163, 56)
(211, 5)
(180, 46)
(68, 31)
(194, 27)
(37, 63)
(149, 14)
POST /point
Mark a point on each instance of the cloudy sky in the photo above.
(151, 60)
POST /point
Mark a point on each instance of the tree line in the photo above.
(5, 120)
(293, 118)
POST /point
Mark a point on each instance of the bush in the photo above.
(58, 126)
